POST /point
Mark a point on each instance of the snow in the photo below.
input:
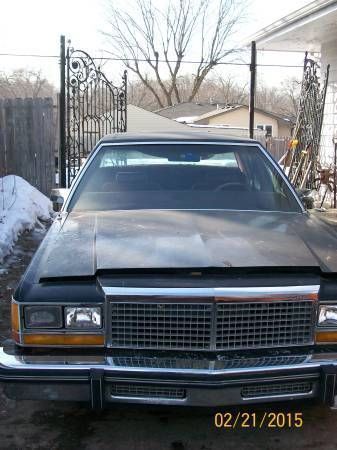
(22, 207)
(187, 119)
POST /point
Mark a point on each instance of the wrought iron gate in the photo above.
(90, 107)
(304, 153)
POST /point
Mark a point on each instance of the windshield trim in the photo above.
(269, 211)
(85, 167)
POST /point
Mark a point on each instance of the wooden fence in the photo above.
(27, 140)
(277, 147)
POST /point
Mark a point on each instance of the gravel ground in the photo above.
(51, 425)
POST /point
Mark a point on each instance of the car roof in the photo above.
(197, 136)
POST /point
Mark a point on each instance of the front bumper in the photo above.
(187, 379)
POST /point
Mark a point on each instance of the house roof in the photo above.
(304, 29)
(140, 119)
(145, 123)
(187, 109)
(230, 108)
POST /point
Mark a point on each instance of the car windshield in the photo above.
(182, 176)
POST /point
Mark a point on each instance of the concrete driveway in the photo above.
(51, 425)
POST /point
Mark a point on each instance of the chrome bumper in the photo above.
(139, 378)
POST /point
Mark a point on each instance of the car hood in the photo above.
(80, 244)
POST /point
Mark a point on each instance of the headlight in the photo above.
(327, 316)
(83, 318)
(43, 316)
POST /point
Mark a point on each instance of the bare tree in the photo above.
(291, 88)
(224, 89)
(139, 95)
(216, 89)
(24, 83)
(230, 91)
(282, 100)
(154, 43)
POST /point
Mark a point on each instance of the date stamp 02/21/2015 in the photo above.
(264, 419)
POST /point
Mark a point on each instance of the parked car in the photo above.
(182, 269)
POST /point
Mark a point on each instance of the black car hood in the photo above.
(81, 244)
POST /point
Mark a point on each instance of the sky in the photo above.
(35, 26)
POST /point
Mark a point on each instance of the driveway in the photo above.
(48, 425)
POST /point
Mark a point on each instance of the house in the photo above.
(139, 119)
(312, 28)
(238, 116)
(226, 116)
(187, 111)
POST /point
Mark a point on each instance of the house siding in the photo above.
(284, 130)
(240, 118)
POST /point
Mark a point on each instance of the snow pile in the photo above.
(21, 208)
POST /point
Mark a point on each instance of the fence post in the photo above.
(62, 112)
(252, 89)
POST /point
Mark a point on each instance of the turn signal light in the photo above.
(15, 322)
(63, 339)
(326, 336)
(15, 316)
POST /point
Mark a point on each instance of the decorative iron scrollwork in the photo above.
(94, 107)
(304, 153)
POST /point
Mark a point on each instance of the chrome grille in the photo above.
(201, 364)
(243, 325)
(185, 326)
(212, 326)
(263, 390)
(147, 391)
(262, 361)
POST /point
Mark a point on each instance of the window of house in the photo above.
(267, 128)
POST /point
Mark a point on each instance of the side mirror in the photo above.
(306, 198)
(58, 197)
